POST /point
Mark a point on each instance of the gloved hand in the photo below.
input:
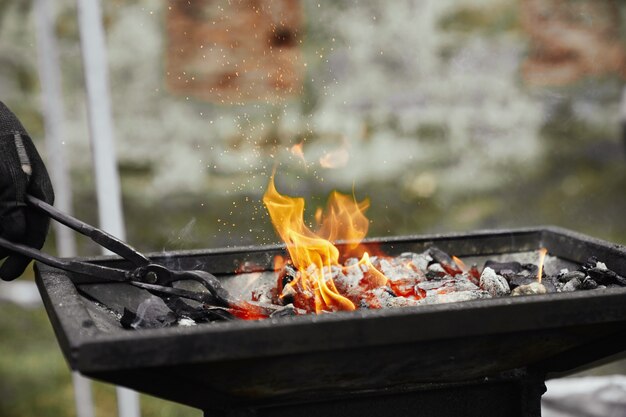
(21, 172)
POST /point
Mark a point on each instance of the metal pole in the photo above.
(52, 104)
(95, 69)
(623, 117)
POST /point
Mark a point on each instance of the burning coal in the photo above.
(318, 278)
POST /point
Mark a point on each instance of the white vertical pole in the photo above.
(623, 116)
(52, 104)
(95, 69)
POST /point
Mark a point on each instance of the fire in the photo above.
(312, 252)
(542, 257)
(459, 263)
(298, 151)
(318, 277)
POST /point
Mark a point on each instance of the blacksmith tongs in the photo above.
(145, 274)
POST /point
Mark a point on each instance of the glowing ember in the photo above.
(297, 150)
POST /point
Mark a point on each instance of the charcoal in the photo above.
(529, 289)
(421, 260)
(436, 271)
(138, 307)
(264, 293)
(440, 256)
(463, 283)
(285, 311)
(605, 276)
(589, 283)
(217, 314)
(458, 296)
(287, 296)
(196, 311)
(567, 276)
(493, 283)
(590, 263)
(550, 282)
(384, 298)
(572, 285)
(432, 285)
(519, 280)
(150, 314)
(531, 269)
(455, 284)
(474, 275)
(286, 275)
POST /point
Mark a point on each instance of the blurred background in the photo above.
(450, 115)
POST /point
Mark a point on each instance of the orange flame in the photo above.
(459, 263)
(298, 151)
(376, 278)
(312, 253)
(542, 256)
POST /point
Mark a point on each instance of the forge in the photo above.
(482, 357)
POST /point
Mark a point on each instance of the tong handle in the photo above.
(95, 272)
(99, 236)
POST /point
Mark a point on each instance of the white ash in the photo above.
(601, 266)
(449, 285)
(398, 268)
(263, 293)
(455, 297)
(352, 275)
(529, 289)
(186, 322)
(436, 268)
(462, 283)
(387, 300)
(331, 273)
(419, 260)
(493, 283)
(348, 281)
(436, 271)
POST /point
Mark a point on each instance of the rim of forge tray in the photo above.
(256, 360)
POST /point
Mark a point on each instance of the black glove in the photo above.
(21, 172)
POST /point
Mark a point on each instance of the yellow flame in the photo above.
(312, 253)
(377, 278)
(542, 256)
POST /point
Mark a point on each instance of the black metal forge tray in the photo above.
(288, 359)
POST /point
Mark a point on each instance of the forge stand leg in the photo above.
(516, 397)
